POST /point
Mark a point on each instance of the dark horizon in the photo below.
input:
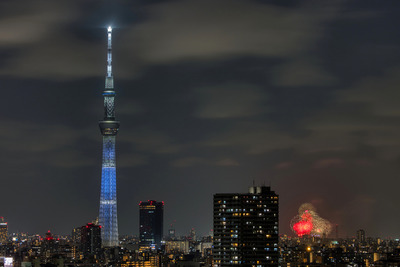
(301, 95)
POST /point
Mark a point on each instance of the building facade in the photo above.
(49, 247)
(151, 223)
(76, 242)
(177, 246)
(361, 236)
(91, 241)
(3, 231)
(246, 228)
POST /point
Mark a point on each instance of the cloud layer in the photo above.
(211, 95)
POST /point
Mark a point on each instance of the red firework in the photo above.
(308, 222)
(305, 225)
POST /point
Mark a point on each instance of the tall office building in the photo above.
(3, 231)
(151, 223)
(49, 247)
(361, 236)
(109, 129)
(246, 228)
(76, 235)
(91, 241)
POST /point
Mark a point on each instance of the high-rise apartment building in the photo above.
(76, 242)
(49, 247)
(91, 241)
(3, 231)
(151, 223)
(246, 228)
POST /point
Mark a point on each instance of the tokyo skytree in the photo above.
(109, 129)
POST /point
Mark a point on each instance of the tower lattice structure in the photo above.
(109, 129)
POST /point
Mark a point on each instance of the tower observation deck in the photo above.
(109, 129)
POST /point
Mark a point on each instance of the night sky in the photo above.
(211, 94)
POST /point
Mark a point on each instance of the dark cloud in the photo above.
(227, 162)
(230, 101)
(301, 72)
(188, 162)
(328, 163)
(211, 96)
(208, 30)
(30, 23)
(196, 161)
(377, 93)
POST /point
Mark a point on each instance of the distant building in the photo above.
(76, 242)
(3, 231)
(193, 236)
(246, 228)
(151, 223)
(6, 261)
(171, 233)
(91, 241)
(361, 236)
(177, 246)
(143, 259)
(49, 247)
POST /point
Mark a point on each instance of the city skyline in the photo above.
(299, 95)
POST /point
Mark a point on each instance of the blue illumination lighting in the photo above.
(107, 93)
(108, 198)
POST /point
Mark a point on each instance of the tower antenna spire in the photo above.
(109, 76)
(109, 52)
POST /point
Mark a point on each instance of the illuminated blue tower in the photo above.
(109, 129)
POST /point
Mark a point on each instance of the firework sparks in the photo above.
(308, 222)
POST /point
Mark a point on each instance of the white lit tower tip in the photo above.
(109, 77)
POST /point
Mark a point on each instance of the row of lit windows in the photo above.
(235, 244)
(239, 210)
(231, 210)
(241, 214)
(147, 207)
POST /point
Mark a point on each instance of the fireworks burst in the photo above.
(308, 222)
